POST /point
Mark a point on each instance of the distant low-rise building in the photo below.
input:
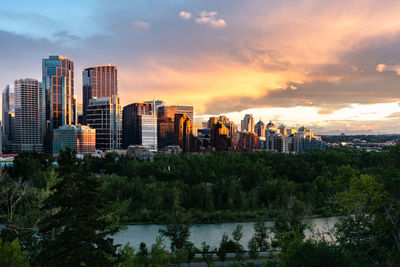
(139, 152)
(284, 139)
(171, 150)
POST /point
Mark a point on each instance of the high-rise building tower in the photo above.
(98, 82)
(139, 125)
(58, 99)
(104, 115)
(28, 116)
(247, 124)
(8, 114)
(166, 125)
(260, 128)
(183, 132)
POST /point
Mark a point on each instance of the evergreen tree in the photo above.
(76, 232)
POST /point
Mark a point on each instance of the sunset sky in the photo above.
(331, 65)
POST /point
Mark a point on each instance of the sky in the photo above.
(333, 66)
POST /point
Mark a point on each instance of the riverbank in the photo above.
(231, 220)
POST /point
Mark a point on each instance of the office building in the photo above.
(8, 115)
(139, 125)
(104, 115)
(79, 114)
(233, 132)
(223, 133)
(183, 132)
(80, 138)
(58, 99)
(248, 141)
(260, 128)
(196, 127)
(166, 125)
(28, 116)
(98, 82)
(247, 124)
(155, 104)
(148, 125)
(220, 138)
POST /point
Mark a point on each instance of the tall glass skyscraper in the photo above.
(104, 115)
(98, 82)
(138, 120)
(59, 104)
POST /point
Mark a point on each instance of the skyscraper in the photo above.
(98, 82)
(28, 116)
(183, 132)
(166, 125)
(8, 115)
(260, 128)
(247, 124)
(139, 125)
(104, 115)
(58, 99)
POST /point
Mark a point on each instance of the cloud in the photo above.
(209, 18)
(185, 15)
(395, 115)
(384, 67)
(138, 26)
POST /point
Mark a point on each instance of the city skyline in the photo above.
(335, 71)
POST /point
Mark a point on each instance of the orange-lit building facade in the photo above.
(223, 133)
(166, 123)
(183, 132)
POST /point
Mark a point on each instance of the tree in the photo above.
(177, 233)
(237, 234)
(159, 256)
(253, 248)
(314, 254)
(127, 256)
(371, 228)
(76, 231)
(223, 248)
(142, 257)
(20, 204)
(206, 253)
(190, 250)
(11, 254)
(261, 235)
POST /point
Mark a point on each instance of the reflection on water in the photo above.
(210, 233)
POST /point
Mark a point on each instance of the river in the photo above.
(210, 233)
